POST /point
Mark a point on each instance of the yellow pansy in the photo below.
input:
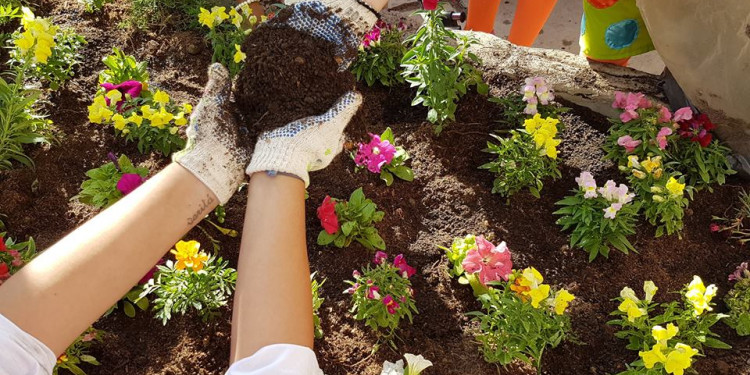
(99, 111)
(188, 255)
(538, 295)
(114, 96)
(650, 289)
(135, 119)
(147, 112)
(187, 108)
(239, 56)
(631, 308)
(675, 187)
(662, 335)
(180, 119)
(653, 356)
(161, 97)
(700, 296)
(236, 18)
(562, 299)
(119, 121)
(680, 359)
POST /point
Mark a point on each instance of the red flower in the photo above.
(429, 4)
(4, 271)
(697, 129)
(2, 245)
(327, 215)
(406, 270)
(714, 227)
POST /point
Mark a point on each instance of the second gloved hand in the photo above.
(309, 144)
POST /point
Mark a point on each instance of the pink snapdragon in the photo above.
(17, 261)
(664, 115)
(630, 103)
(352, 289)
(380, 257)
(615, 194)
(390, 304)
(129, 182)
(131, 89)
(372, 38)
(536, 91)
(407, 271)
(661, 137)
(587, 182)
(628, 142)
(683, 114)
(611, 211)
(375, 154)
(372, 291)
(492, 263)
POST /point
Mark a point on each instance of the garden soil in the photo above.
(450, 197)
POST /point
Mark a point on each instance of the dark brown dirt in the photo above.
(288, 75)
(450, 197)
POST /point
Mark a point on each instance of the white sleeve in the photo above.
(278, 359)
(21, 353)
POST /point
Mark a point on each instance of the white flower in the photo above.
(393, 368)
(650, 288)
(416, 363)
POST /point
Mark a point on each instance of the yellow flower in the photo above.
(205, 18)
(236, 18)
(657, 173)
(147, 112)
(538, 295)
(662, 335)
(188, 255)
(675, 187)
(180, 119)
(161, 97)
(530, 285)
(531, 278)
(99, 112)
(216, 16)
(631, 308)
(650, 288)
(633, 162)
(628, 293)
(544, 131)
(700, 296)
(679, 359)
(245, 9)
(239, 56)
(25, 42)
(119, 121)
(62, 358)
(161, 118)
(38, 32)
(187, 108)
(639, 174)
(114, 96)
(173, 130)
(651, 163)
(653, 356)
(562, 299)
(135, 119)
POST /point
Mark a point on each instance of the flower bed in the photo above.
(449, 197)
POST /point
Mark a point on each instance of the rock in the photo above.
(193, 49)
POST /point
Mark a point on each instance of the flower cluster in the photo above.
(544, 131)
(615, 195)
(631, 304)
(38, 37)
(227, 37)
(697, 128)
(110, 182)
(382, 295)
(372, 38)
(535, 92)
(380, 53)
(78, 353)
(346, 221)
(382, 156)
(528, 285)
(676, 359)
(415, 364)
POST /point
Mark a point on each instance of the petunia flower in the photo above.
(129, 182)
(490, 262)
(380, 257)
(628, 142)
(415, 364)
(407, 271)
(390, 304)
(661, 137)
(327, 215)
(375, 154)
(127, 90)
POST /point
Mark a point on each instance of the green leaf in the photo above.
(347, 227)
(403, 172)
(325, 239)
(388, 136)
(717, 344)
(387, 177)
(128, 308)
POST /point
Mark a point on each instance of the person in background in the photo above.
(530, 17)
(613, 31)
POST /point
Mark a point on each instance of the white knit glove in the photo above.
(213, 153)
(305, 145)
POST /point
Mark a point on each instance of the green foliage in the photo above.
(20, 123)
(100, 190)
(317, 301)
(356, 218)
(440, 67)
(703, 166)
(519, 165)
(60, 66)
(122, 67)
(78, 353)
(130, 302)
(92, 6)
(370, 291)
(380, 62)
(26, 251)
(145, 14)
(738, 302)
(513, 106)
(457, 253)
(512, 329)
(204, 291)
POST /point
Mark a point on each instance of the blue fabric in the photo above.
(622, 34)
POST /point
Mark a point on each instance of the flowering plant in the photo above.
(738, 300)
(44, 52)
(381, 155)
(662, 194)
(317, 301)
(125, 101)
(478, 262)
(736, 226)
(78, 353)
(535, 97)
(382, 295)
(522, 318)
(667, 342)
(92, 6)
(526, 158)
(227, 37)
(380, 54)
(415, 364)
(13, 255)
(110, 182)
(600, 217)
(195, 281)
(347, 221)
(439, 65)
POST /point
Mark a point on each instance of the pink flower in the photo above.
(664, 115)
(131, 88)
(375, 154)
(17, 261)
(628, 142)
(407, 271)
(372, 37)
(356, 274)
(492, 263)
(353, 288)
(129, 182)
(390, 304)
(661, 137)
(327, 215)
(683, 114)
(380, 257)
(714, 227)
(429, 4)
(89, 337)
(616, 194)
(740, 273)
(2, 245)
(611, 211)
(372, 292)
(630, 103)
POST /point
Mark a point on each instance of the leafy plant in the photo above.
(736, 225)
(439, 65)
(381, 155)
(317, 301)
(92, 6)
(78, 353)
(526, 158)
(130, 302)
(600, 217)
(382, 295)
(738, 301)
(122, 67)
(101, 189)
(535, 98)
(227, 37)
(196, 281)
(20, 122)
(347, 221)
(181, 13)
(14, 255)
(380, 54)
(521, 319)
(667, 342)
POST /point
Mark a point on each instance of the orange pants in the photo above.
(530, 17)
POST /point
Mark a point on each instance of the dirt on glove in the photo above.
(288, 75)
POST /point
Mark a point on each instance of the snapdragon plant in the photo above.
(100, 190)
(668, 341)
(535, 97)
(379, 56)
(227, 31)
(738, 301)
(599, 217)
(347, 221)
(439, 65)
(21, 122)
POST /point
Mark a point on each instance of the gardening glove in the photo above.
(213, 153)
(305, 145)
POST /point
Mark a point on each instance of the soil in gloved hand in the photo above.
(288, 75)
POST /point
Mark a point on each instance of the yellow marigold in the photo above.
(188, 255)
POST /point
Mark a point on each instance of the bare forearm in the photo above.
(273, 301)
(71, 284)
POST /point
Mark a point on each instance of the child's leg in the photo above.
(531, 15)
(481, 15)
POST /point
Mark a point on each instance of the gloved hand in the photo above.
(213, 153)
(305, 145)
